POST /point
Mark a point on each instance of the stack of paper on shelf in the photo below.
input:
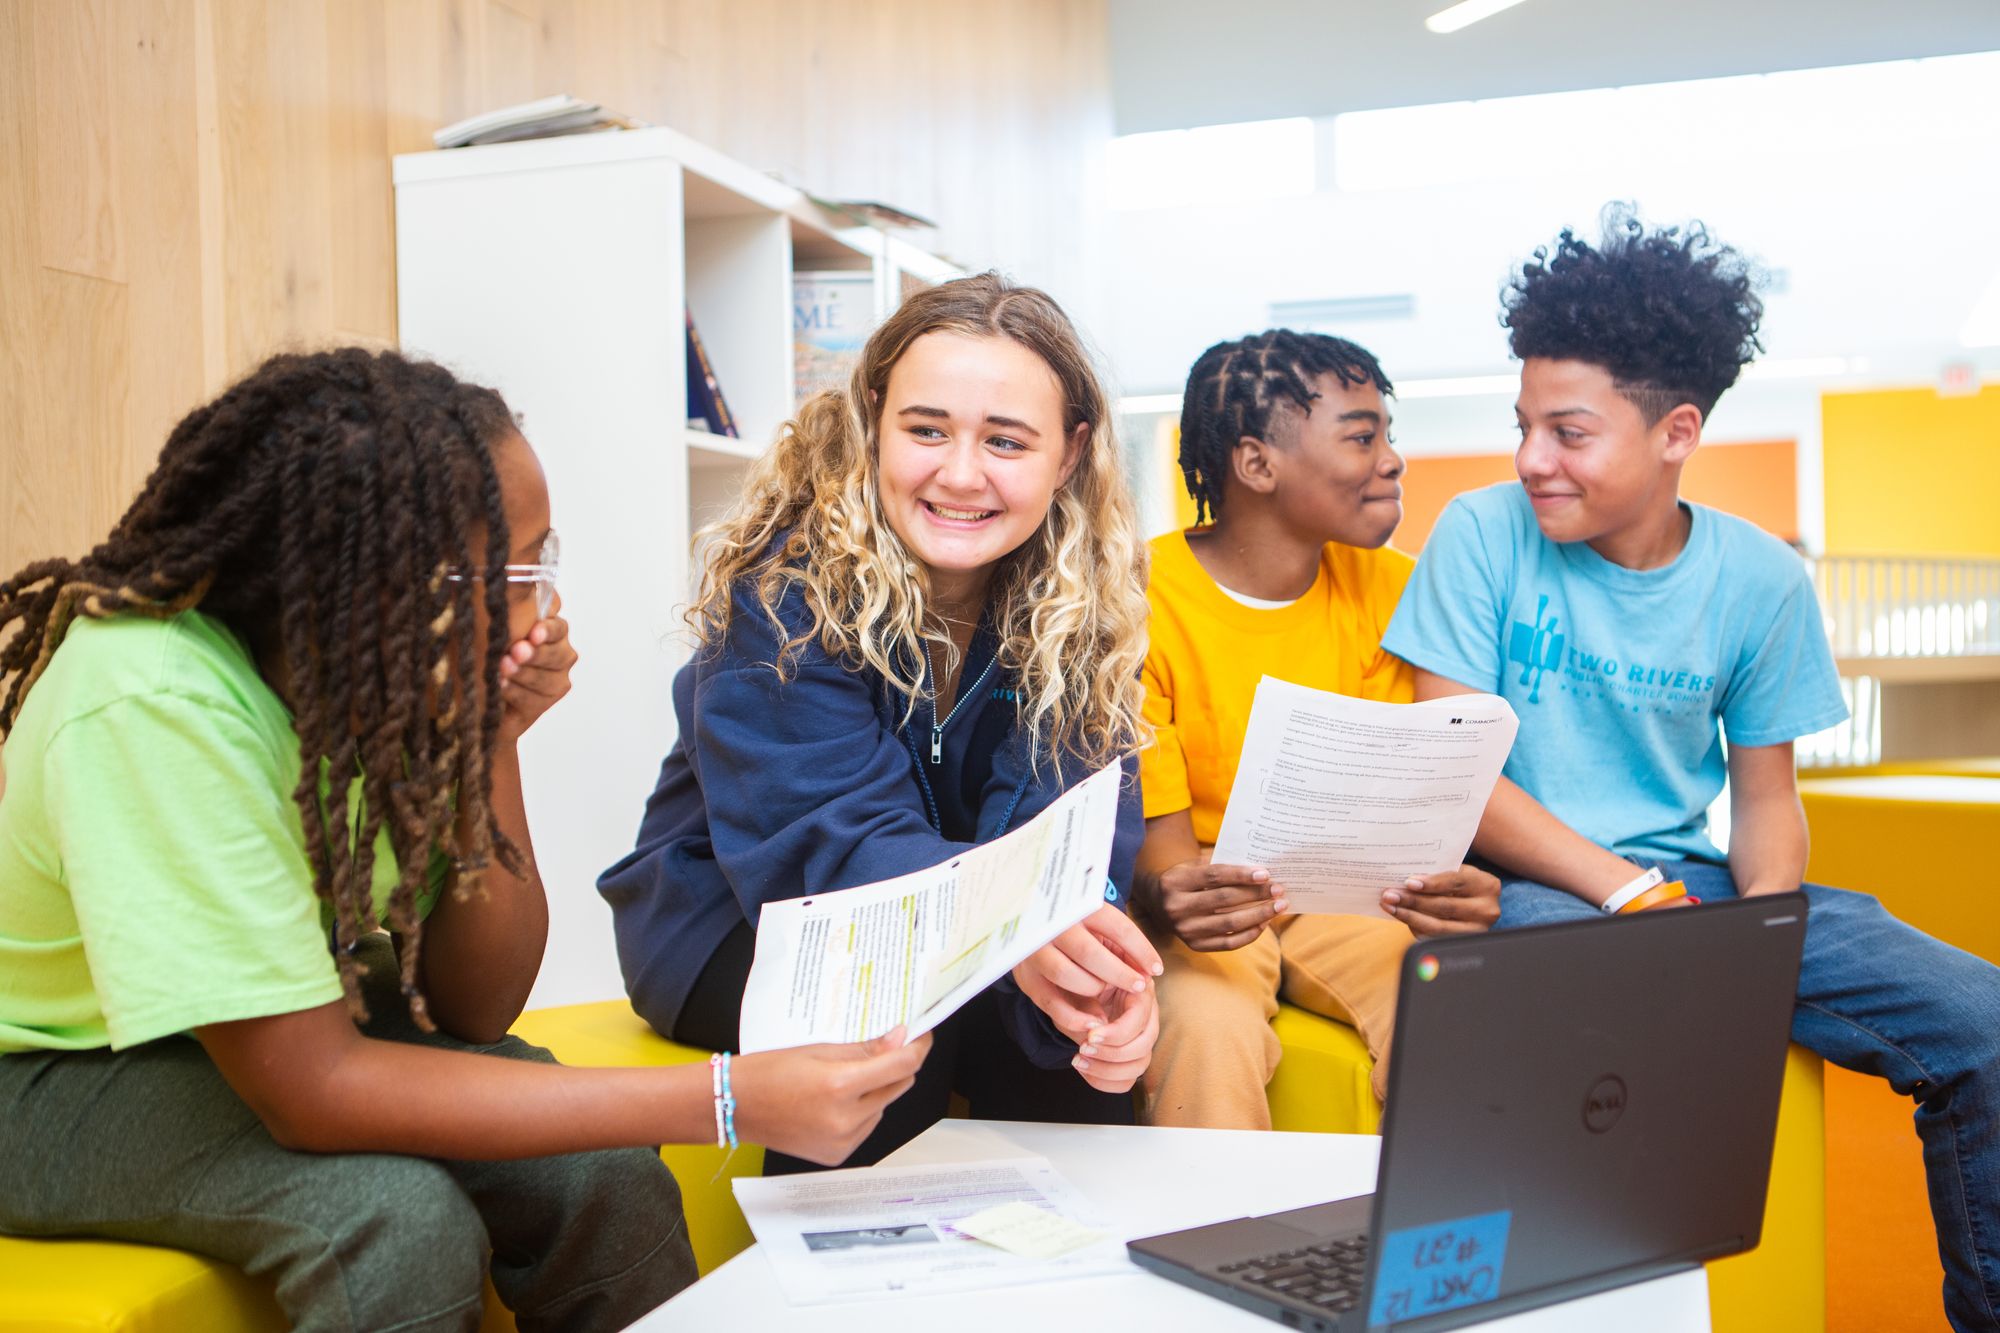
(541, 119)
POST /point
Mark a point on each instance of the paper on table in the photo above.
(843, 1235)
(1022, 1228)
(850, 965)
(1341, 798)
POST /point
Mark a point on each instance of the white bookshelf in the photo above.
(557, 271)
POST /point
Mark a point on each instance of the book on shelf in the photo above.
(875, 213)
(833, 312)
(705, 403)
(544, 118)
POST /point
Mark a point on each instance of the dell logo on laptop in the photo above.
(1604, 1104)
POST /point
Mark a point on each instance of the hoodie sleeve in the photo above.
(806, 789)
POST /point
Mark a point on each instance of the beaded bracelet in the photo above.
(728, 1103)
(725, 1100)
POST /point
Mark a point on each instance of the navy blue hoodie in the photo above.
(779, 789)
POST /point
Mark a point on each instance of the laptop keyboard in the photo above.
(1329, 1276)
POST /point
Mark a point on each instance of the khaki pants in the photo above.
(1216, 1051)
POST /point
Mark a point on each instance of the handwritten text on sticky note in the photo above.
(1021, 1228)
(1428, 1269)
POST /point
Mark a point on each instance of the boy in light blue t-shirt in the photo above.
(1633, 632)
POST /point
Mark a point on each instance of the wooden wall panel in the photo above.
(20, 267)
(159, 181)
(191, 185)
(76, 133)
(84, 380)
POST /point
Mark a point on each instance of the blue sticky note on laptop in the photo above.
(1430, 1269)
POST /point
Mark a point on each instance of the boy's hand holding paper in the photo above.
(1341, 798)
(1456, 902)
(1214, 907)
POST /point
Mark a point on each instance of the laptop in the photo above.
(1571, 1108)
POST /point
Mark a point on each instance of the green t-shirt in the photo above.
(153, 875)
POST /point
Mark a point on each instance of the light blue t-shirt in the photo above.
(1621, 675)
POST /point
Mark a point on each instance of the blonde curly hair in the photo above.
(1068, 605)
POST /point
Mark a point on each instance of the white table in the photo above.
(1145, 1181)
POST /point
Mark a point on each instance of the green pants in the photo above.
(151, 1145)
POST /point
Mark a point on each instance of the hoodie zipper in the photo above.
(937, 727)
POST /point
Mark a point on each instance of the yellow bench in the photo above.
(1322, 1085)
(1919, 842)
(1782, 1283)
(1964, 766)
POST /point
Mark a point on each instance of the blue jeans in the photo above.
(1886, 999)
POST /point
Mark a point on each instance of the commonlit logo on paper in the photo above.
(1427, 967)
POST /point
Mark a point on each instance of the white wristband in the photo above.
(1633, 890)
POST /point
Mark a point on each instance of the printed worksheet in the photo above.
(873, 1231)
(851, 965)
(1341, 798)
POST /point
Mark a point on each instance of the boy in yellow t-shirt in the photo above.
(1285, 445)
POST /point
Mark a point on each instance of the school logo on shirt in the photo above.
(1583, 670)
(1535, 648)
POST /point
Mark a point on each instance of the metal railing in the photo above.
(1898, 606)
(1899, 618)
(1854, 742)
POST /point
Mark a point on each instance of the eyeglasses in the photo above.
(542, 574)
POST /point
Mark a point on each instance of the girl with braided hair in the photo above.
(923, 621)
(278, 706)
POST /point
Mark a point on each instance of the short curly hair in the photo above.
(1671, 314)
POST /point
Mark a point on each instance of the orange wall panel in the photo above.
(1757, 480)
(1431, 483)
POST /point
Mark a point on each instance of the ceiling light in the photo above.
(1466, 13)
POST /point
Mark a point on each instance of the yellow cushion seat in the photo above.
(1914, 840)
(1782, 1283)
(1958, 766)
(96, 1286)
(1322, 1084)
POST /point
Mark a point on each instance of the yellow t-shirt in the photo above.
(1208, 652)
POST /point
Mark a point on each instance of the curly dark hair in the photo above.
(316, 508)
(1671, 314)
(1234, 387)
